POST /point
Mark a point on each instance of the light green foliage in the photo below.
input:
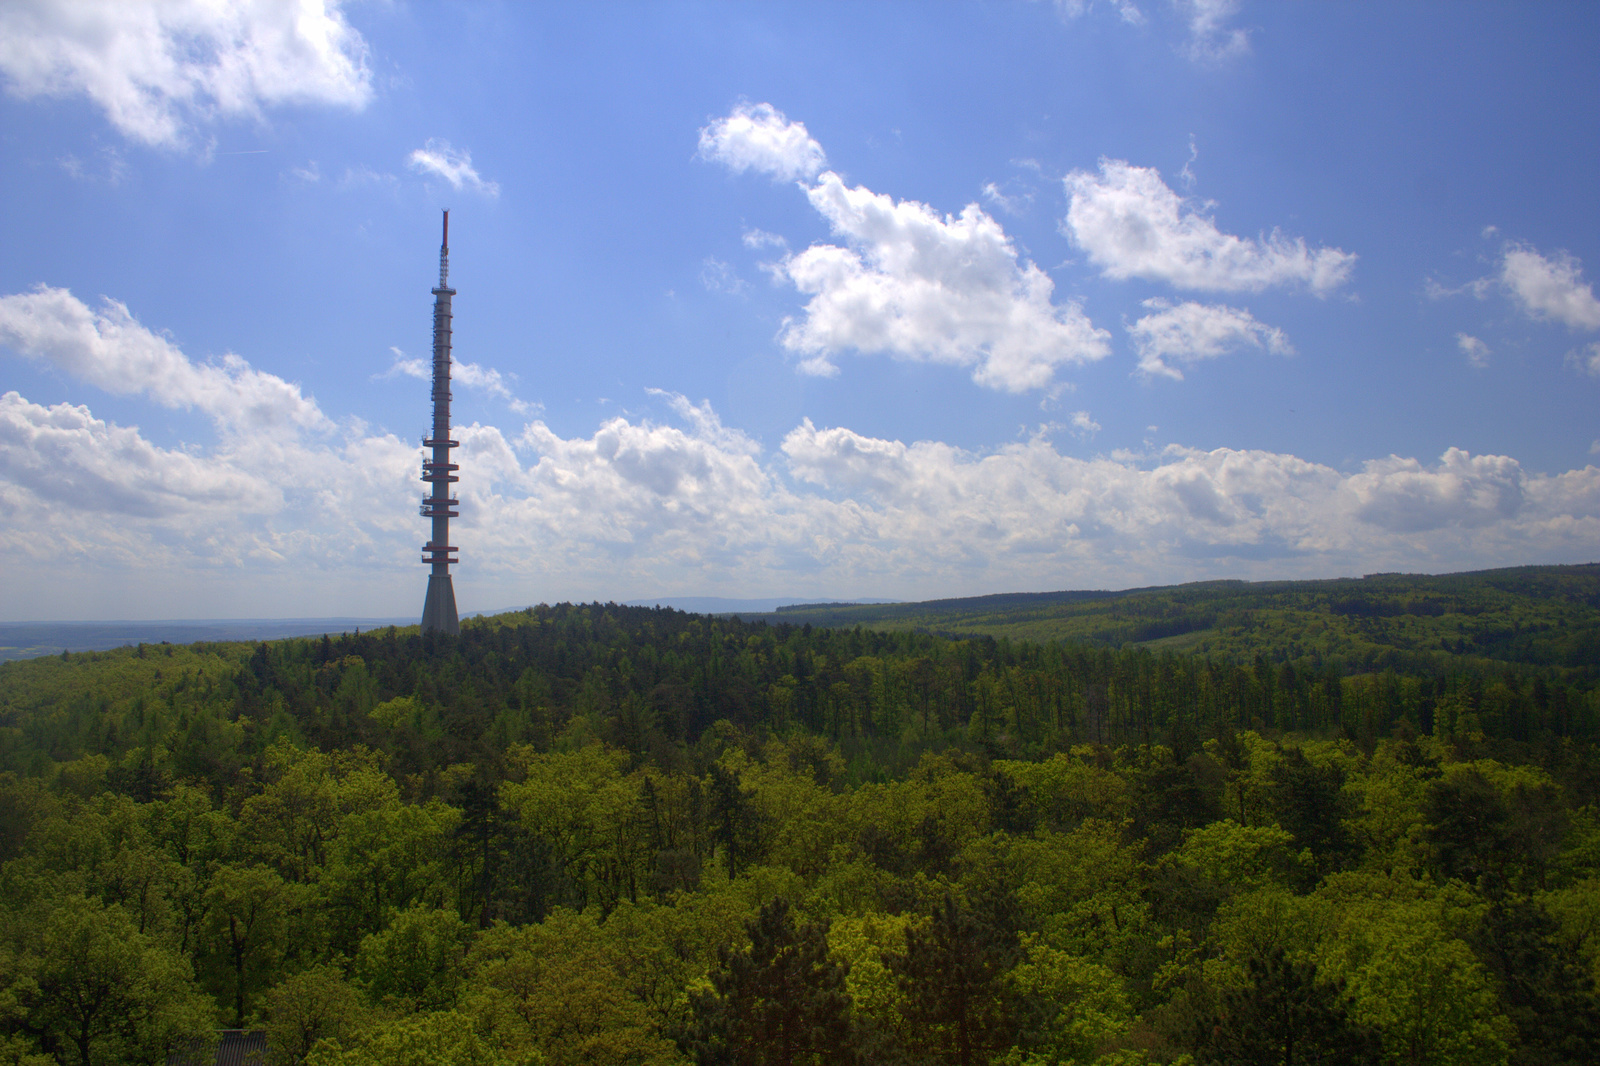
(248, 909)
(532, 844)
(1398, 945)
(309, 1007)
(417, 962)
(550, 993)
(584, 805)
(1389, 797)
(1083, 889)
(442, 1038)
(1240, 857)
(385, 854)
(90, 982)
(289, 822)
(1576, 909)
(1082, 1002)
(17, 1050)
(805, 818)
(861, 942)
(1254, 924)
(659, 951)
(1070, 788)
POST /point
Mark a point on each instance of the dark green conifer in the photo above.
(1285, 1017)
(782, 1003)
(958, 1008)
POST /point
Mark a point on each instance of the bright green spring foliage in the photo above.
(614, 835)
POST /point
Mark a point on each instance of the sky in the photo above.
(814, 300)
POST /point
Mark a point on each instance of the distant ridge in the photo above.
(725, 605)
(27, 640)
(1531, 616)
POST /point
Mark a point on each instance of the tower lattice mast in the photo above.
(439, 609)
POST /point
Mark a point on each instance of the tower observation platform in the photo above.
(440, 504)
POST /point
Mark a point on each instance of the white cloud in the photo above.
(1187, 173)
(109, 169)
(1083, 425)
(488, 379)
(1476, 351)
(1127, 10)
(406, 366)
(915, 285)
(454, 166)
(757, 238)
(1132, 225)
(760, 137)
(1403, 496)
(1478, 289)
(909, 282)
(295, 522)
(1586, 359)
(470, 375)
(719, 277)
(158, 69)
(1013, 204)
(65, 455)
(112, 351)
(936, 509)
(1550, 287)
(1190, 332)
(1211, 39)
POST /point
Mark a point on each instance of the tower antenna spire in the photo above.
(439, 608)
(444, 253)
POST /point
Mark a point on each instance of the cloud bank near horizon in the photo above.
(648, 506)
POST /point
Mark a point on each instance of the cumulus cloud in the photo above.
(1132, 224)
(63, 454)
(109, 349)
(916, 285)
(907, 282)
(760, 137)
(686, 502)
(158, 68)
(1550, 287)
(1476, 351)
(1027, 501)
(278, 495)
(1190, 332)
(438, 158)
(1403, 496)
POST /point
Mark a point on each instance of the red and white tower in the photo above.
(439, 609)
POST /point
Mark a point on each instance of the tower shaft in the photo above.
(439, 608)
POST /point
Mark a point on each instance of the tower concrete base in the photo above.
(439, 609)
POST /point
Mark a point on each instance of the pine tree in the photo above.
(957, 1006)
(1546, 990)
(782, 1003)
(1286, 1017)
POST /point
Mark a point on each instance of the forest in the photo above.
(605, 834)
(1546, 615)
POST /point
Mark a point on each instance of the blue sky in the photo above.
(813, 300)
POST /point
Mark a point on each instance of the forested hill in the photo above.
(619, 835)
(1537, 615)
